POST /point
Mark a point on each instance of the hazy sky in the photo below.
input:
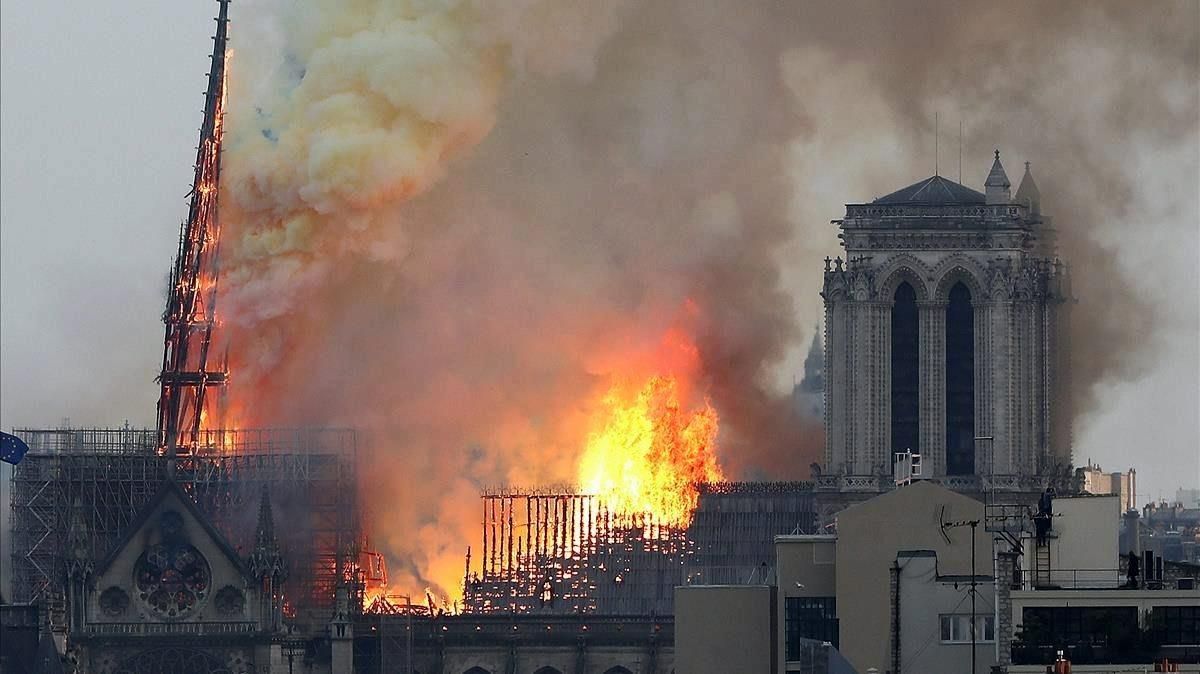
(100, 108)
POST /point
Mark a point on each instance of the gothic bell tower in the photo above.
(944, 331)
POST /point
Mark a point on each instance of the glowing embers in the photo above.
(378, 601)
(647, 452)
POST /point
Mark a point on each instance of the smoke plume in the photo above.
(451, 225)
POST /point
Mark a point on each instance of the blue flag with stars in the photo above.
(12, 448)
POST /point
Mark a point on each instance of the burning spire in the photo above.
(191, 299)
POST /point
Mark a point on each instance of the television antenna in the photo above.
(974, 588)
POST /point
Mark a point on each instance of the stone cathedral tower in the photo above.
(944, 332)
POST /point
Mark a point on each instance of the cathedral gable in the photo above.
(172, 566)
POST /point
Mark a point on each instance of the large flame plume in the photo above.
(650, 452)
(475, 339)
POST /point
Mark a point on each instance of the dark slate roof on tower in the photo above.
(933, 190)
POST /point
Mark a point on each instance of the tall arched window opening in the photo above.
(905, 370)
(960, 382)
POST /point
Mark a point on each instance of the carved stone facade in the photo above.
(986, 389)
(173, 596)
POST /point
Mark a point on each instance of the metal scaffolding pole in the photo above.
(113, 473)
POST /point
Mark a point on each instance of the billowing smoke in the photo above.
(451, 225)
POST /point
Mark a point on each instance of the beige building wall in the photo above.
(805, 566)
(1084, 541)
(724, 629)
(1097, 482)
(869, 536)
(926, 594)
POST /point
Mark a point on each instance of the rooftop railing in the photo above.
(1095, 579)
(188, 628)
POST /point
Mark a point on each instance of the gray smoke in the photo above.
(694, 158)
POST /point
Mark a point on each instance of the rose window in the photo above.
(172, 578)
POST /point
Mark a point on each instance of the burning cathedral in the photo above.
(944, 344)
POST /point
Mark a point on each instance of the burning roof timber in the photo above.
(555, 550)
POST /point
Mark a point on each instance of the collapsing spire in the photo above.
(190, 314)
(996, 187)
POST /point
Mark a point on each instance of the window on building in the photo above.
(1176, 625)
(956, 628)
(960, 382)
(809, 618)
(905, 370)
(1057, 625)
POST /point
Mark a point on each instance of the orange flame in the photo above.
(647, 453)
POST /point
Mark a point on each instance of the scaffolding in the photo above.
(559, 551)
(110, 474)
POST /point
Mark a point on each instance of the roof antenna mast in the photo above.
(935, 143)
(960, 150)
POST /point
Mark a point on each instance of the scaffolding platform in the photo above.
(111, 473)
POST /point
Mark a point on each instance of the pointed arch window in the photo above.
(905, 370)
(960, 382)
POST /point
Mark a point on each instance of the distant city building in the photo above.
(1097, 482)
(1171, 531)
(944, 333)
(1190, 498)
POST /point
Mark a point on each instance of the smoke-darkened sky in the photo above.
(101, 104)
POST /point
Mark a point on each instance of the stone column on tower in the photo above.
(972, 374)
(933, 385)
